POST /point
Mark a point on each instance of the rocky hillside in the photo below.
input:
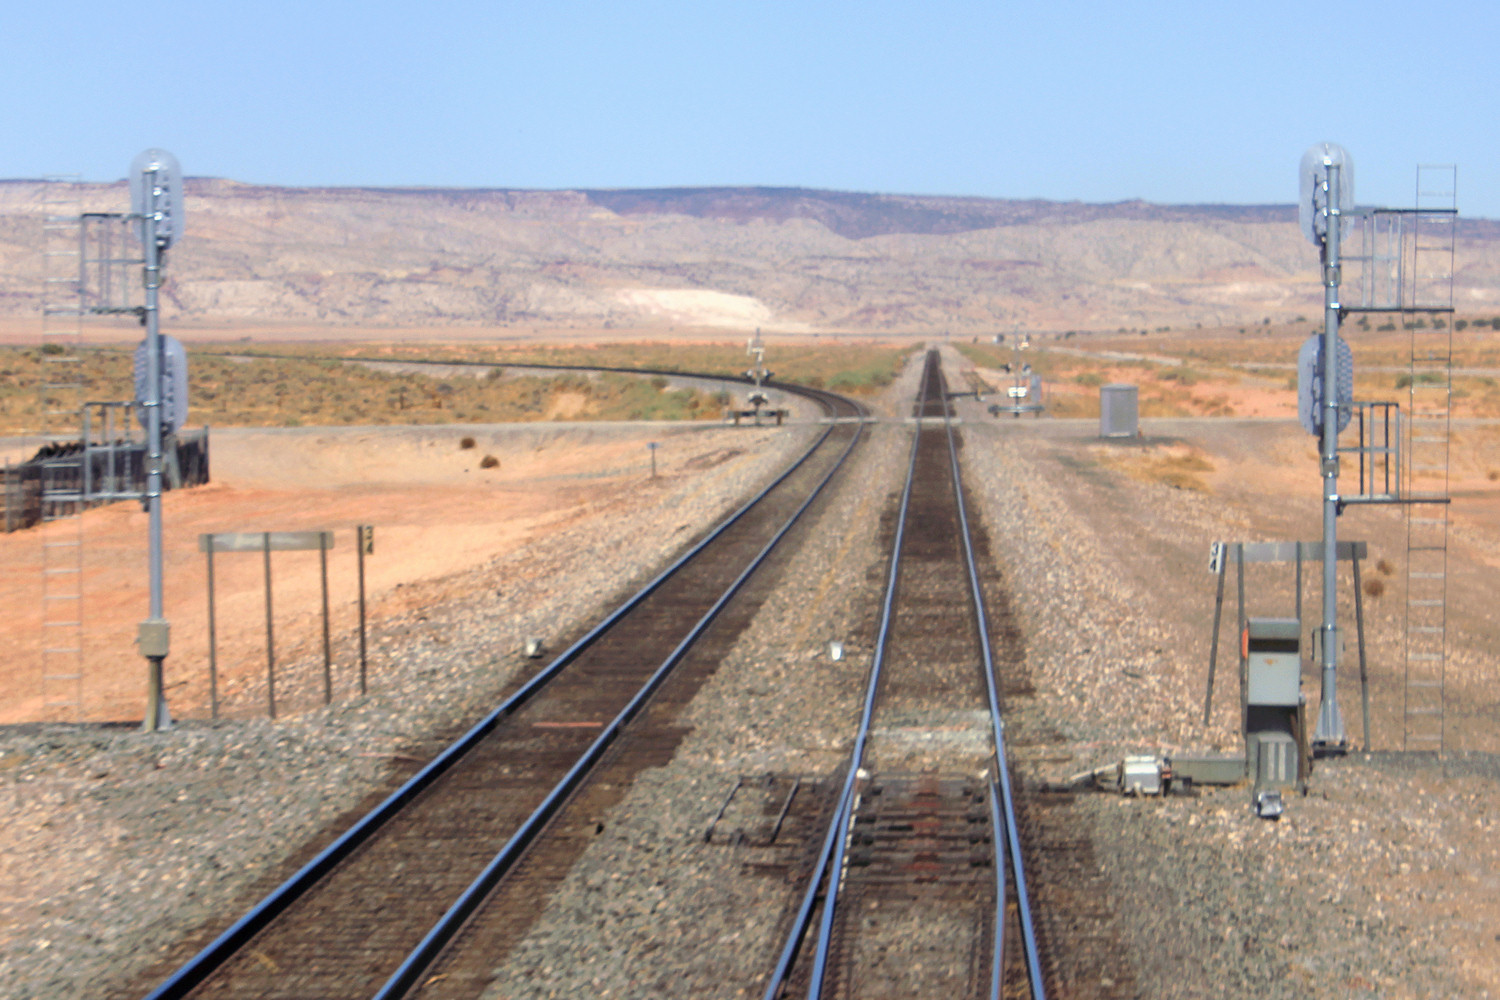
(780, 258)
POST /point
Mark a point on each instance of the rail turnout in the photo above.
(920, 884)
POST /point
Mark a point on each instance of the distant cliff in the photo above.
(779, 258)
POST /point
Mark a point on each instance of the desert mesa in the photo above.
(788, 260)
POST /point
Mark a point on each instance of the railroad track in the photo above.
(919, 885)
(373, 912)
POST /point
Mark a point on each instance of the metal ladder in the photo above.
(61, 394)
(1428, 426)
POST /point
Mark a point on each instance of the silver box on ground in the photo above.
(1118, 410)
(1140, 775)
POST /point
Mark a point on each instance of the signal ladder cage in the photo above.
(1404, 266)
(87, 262)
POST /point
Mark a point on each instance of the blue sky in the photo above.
(1093, 101)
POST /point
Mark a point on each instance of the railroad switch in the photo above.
(1276, 758)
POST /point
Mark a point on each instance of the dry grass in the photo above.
(856, 369)
(1071, 383)
(309, 388)
(1231, 371)
(1181, 467)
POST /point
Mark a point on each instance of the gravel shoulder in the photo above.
(118, 846)
(1379, 883)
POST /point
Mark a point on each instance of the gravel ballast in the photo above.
(1379, 883)
(120, 845)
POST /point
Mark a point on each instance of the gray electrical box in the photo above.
(1118, 410)
(1273, 760)
(1275, 753)
(1273, 665)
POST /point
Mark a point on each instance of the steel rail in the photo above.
(997, 963)
(846, 803)
(213, 956)
(1002, 810)
(1002, 769)
(830, 857)
(443, 932)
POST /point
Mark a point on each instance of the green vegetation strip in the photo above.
(320, 385)
(857, 369)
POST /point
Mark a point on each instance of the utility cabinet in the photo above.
(1275, 744)
(1273, 651)
(1118, 410)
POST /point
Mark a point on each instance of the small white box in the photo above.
(1140, 776)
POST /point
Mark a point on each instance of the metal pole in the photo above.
(110, 485)
(87, 485)
(1298, 585)
(213, 645)
(1400, 436)
(1329, 735)
(106, 254)
(1213, 649)
(153, 634)
(1387, 462)
(327, 650)
(1239, 639)
(1359, 625)
(359, 547)
(270, 635)
(83, 254)
(1359, 415)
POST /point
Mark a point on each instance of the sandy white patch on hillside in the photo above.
(707, 308)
